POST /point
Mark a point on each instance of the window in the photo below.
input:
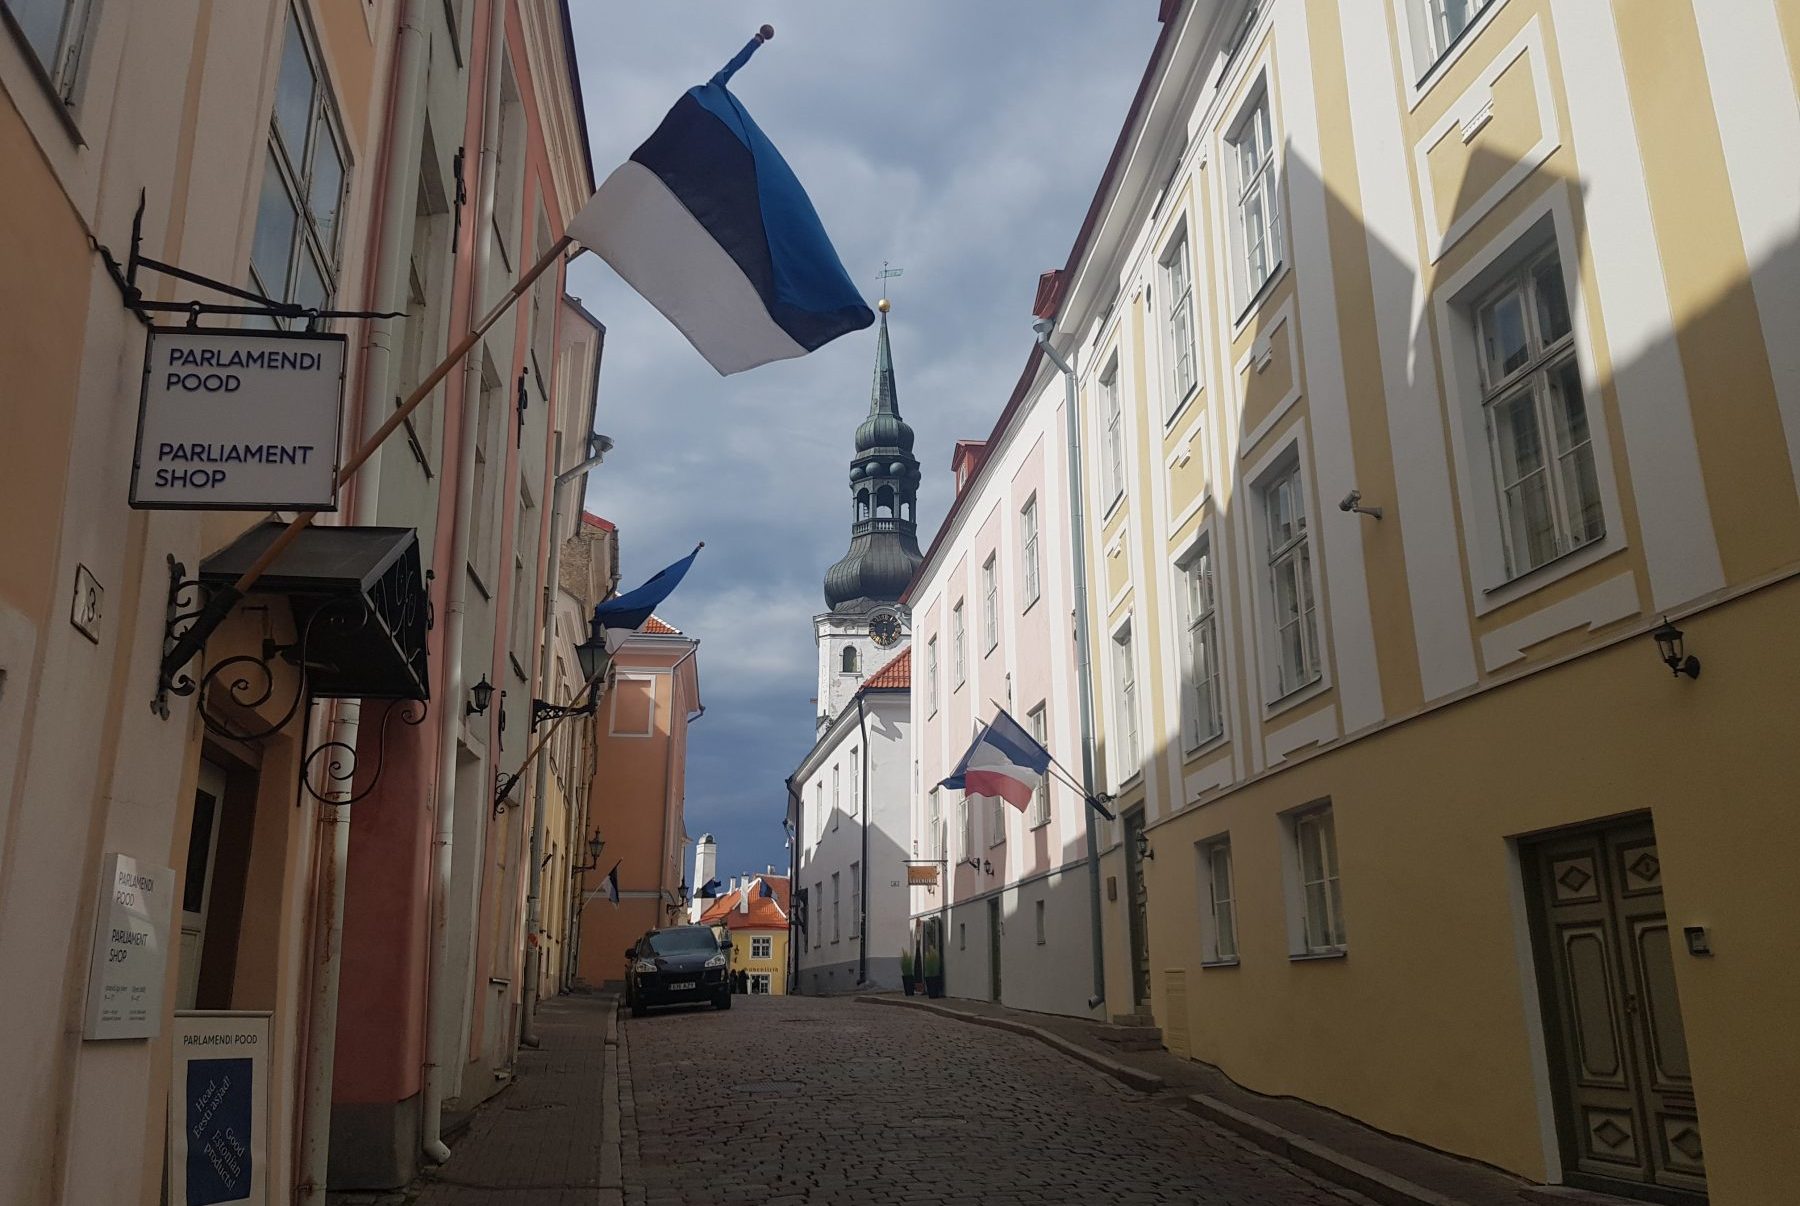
(759, 984)
(1028, 544)
(1290, 581)
(819, 895)
(1179, 324)
(762, 948)
(957, 661)
(848, 663)
(1040, 923)
(931, 676)
(934, 825)
(996, 821)
(1437, 25)
(819, 809)
(56, 31)
(524, 586)
(837, 929)
(293, 254)
(1125, 703)
(962, 936)
(855, 900)
(1536, 418)
(487, 474)
(836, 799)
(1316, 861)
(990, 605)
(1221, 931)
(1202, 719)
(1256, 215)
(965, 826)
(509, 169)
(1112, 465)
(1037, 720)
(855, 784)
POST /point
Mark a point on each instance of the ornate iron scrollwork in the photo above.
(340, 761)
(187, 601)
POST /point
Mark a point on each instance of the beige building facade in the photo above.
(1431, 355)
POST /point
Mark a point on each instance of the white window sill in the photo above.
(1299, 695)
(1208, 963)
(1337, 952)
(1030, 603)
(1181, 408)
(1112, 508)
(1037, 825)
(1556, 569)
(1258, 297)
(1205, 746)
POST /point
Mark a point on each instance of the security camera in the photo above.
(1350, 501)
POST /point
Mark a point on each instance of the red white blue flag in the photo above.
(1005, 763)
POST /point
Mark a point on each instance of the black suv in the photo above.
(683, 965)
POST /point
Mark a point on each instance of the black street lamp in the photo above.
(595, 845)
(594, 660)
(481, 694)
(1674, 655)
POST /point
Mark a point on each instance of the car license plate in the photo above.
(678, 986)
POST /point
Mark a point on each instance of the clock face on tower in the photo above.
(884, 627)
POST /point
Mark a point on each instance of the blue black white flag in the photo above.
(709, 890)
(622, 615)
(707, 221)
(763, 888)
(610, 885)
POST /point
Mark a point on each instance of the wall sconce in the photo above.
(480, 695)
(1143, 845)
(595, 845)
(980, 864)
(1674, 656)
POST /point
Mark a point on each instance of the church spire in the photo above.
(884, 489)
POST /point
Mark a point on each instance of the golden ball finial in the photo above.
(882, 305)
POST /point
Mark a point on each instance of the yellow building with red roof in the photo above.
(755, 913)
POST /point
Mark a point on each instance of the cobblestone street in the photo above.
(788, 1100)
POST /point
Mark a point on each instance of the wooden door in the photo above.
(197, 883)
(994, 947)
(1137, 909)
(1619, 1058)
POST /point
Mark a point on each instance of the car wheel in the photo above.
(723, 1002)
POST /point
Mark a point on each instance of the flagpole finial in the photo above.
(765, 33)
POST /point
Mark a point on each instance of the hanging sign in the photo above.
(925, 876)
(218, 1109)
(239, 421)
(131, 950)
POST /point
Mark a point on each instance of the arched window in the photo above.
(862, 504)
(884, 503)
(906, 509)
(850, 665)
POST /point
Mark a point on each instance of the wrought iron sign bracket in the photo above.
(541, 711)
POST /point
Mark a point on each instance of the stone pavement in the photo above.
(548, 1139)
(782, 1101)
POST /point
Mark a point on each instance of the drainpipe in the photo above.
(599, 446)
(405, 131)
(862, 889)
(440, 1009)
(1083, 659)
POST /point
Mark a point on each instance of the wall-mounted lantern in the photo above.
(1674, 655)
(480, 696)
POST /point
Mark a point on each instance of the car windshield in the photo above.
(683, 942)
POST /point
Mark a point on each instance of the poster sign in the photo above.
(218, 1108)
(131, 950)
(239, 421)
(918, 876)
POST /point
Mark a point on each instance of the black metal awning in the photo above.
(359, 604)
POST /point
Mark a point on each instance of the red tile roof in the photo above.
(594, 521)
(656, 627)
(766, 912)
(896, 674)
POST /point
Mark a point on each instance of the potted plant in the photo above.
(906, 970)
(934, 973)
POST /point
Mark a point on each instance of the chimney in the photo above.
(744, 900)
(706, 862)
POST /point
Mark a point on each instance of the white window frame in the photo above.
(1548, 220)
(837, 912)
(990, 603)
(1426, 50)
(63, 66)
(931, 676)
(1127, 743)
(1028, 550)
(855, 900)
(1037, 723)
(1311, 876)
(965, 826)
(934, 824)
(817, 904)
(1179, 325)
(958, 645)
(1202, 696)
(836, 796)
(1219, 937)
(996, 821)
(762, 984)
(1293, 552)
(1112, 421)
(1255, 176)
(762, 948)
(819, 810)
(1531, 379)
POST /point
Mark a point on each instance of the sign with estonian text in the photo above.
(922, 875)
(239, 421)
(219, 1109)
(131, 950)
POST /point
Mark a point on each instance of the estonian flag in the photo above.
(622, 615)
(763, 888)
(709, 890)
(610, 885)
(1005, 762)
(708, 223)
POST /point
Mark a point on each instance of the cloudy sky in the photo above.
(959, 139)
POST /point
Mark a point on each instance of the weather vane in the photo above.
(884, 276)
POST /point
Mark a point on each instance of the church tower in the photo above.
(865, 626)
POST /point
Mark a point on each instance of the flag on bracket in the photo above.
(610, 885)
(707, 221)
(622, 615)
(1005, 762)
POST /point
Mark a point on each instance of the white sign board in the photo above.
(239, 421)
(131, 950)
(219, 1109)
